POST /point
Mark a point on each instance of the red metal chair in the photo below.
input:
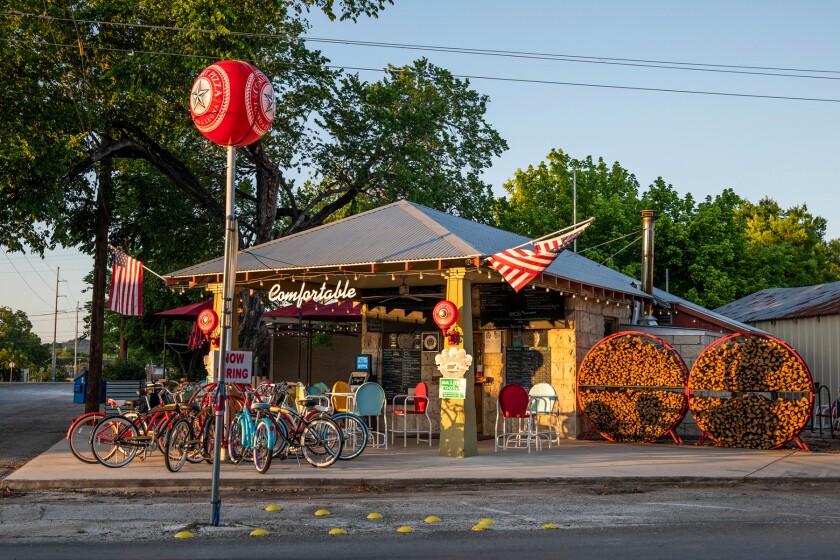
(416, 406)
(513, 406)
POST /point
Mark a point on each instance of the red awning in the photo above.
(340, 312)
(188, 312)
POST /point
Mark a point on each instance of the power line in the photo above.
(560, 57)
(503, 79)
(24, 280)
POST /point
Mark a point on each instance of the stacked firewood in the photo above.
(752, 369)
(750, 420)
(632, 360)
(749, 363)
(632, 415)
(624, 384)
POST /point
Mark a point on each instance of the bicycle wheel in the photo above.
(114, 441)
(177, 440)
(208, 438)
(194, 452)
(263, 445)
(236, 446)
(79, 436)
(321, 442)
(281, 436)
(355, 434)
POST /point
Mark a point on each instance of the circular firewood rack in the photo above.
(631, 387)
(750, 390)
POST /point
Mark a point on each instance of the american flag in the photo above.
(126, 295)
(520, 266)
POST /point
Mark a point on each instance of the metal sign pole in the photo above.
(228, 280)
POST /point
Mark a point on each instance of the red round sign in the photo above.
(232, 103)
(208, 321)
(445, 314)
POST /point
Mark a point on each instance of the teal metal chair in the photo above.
(370, 402)
(542, 402)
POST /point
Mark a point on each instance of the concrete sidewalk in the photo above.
(420, 465)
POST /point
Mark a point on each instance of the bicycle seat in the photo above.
(194, 407)
(261, 406)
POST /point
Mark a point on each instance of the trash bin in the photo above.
(80, 388)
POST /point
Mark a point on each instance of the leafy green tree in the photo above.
(19, 344)
(541, 201)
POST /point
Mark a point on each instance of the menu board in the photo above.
(527, 366)
(502, 308)
(400, 371)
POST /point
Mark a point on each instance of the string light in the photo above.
(326, 277)
(261, 283)
(293, 279)
(489, 274)
(355, 276)
(546, 289)
(421, 275)
(393, 277)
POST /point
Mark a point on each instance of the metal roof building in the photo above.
(807, 318)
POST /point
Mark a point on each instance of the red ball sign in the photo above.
(232, 103)
(445, 314)
(208, 320)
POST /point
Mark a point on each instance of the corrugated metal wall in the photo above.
(817, 339)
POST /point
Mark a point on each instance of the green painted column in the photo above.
(457, 417)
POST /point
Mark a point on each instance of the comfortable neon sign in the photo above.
(324, 294)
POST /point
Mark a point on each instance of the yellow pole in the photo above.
(457, 417)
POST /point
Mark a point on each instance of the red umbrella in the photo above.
(339, 312)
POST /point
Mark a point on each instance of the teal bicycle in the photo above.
(252, 436)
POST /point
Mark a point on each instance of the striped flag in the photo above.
(520, 266)
(126, 296)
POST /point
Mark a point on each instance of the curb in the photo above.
(380, 484)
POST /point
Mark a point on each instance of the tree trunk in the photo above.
(100, 269)
(123, 342)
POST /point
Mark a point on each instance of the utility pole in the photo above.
(76, 345)
(55, 322)
(574, 206)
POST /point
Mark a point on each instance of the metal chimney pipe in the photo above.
(648, 227)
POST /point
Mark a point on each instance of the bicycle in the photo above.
(116, 439)
(354, 430)
(184, 439)
(316, 436)
(252, 435)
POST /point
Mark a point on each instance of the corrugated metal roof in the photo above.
(737, 325)
(785, 303)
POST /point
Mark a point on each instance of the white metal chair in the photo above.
(543, 403)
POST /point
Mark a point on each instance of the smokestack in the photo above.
(648, 227)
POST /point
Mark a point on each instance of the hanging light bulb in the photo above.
(355, 276)
(293, 279)
(393, 277)
(261, 283)
(421, 275)
(489, 274)
(326, 277)
(546, 289)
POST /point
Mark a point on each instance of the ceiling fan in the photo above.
(403, 292)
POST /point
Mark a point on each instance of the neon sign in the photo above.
(323, 295)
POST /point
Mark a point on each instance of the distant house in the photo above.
(807, 318)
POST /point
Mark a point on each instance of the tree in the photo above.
(19, 344)
(541, 200)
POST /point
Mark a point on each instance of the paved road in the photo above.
(744, 521)
(43, 409)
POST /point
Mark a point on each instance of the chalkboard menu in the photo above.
(502, 308)
(527, 366)
(400, 371)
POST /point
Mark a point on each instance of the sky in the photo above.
(701, 144)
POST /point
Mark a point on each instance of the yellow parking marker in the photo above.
(322, 513)
(273, 508)
(487, 522)
(184, 535)
(432, 519)
(480, 527)
(550, 526)
(374, 516)
(405, 529)
(259, 533)
(337, 531)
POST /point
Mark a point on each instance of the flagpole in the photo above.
(141, 264)
(555, 233)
